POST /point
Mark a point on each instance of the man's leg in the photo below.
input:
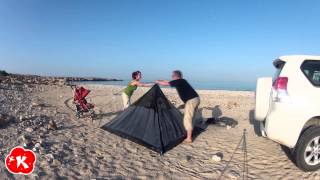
(190, 109)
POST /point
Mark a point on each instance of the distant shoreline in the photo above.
(124, 83)
(37, 79)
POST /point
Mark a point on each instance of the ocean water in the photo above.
(232, 86)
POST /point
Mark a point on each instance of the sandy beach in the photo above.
(79, 149)
(234, 75)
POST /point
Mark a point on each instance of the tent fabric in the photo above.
(151, 121)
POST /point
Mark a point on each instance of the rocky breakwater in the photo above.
(45, 80)
(17, 79)
(70, 79)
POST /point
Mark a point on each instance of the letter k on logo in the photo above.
(20, 161)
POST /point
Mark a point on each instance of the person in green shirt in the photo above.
(132, 86)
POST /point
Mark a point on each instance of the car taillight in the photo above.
(281, 83)
(280, 93)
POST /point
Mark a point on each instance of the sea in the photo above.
(214, 85)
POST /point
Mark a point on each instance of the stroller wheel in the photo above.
(78, 115)
(92, 114)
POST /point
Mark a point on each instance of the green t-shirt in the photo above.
(130, 89)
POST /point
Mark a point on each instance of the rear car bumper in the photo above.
(283, 124)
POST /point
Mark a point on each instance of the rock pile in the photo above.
(46, 80)
(27, 120)
(42, 123)
(22, 117)
(32, 79)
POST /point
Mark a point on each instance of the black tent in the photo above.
(151, 121)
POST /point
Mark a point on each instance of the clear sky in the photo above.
(208, 40)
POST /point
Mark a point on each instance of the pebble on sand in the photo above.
(232, 174)
(52, 125)
(29, 129)
(49, 158)
(21, 118)
(217, 157)
(34, 104)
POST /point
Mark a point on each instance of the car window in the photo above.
(279, 65)
(311, 69)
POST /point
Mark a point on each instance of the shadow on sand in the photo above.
(201, 124)
(108, 114)
(101, 116)
(254, 123)
(71, 127)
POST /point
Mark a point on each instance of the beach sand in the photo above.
(81, 150)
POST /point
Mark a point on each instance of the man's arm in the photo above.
(163, 82)
(144, 84)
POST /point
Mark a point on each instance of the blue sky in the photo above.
(208, 40)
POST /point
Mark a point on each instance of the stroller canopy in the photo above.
(81, 93)
(152, 121)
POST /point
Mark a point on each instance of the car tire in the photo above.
(302, 152)
(262, 129)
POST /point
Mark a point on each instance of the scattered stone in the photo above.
(35, 176)
(37, 145)
(49, 158)
(52, 125)
(99, 158)
(217, 157)
(28, 145)
(21, 118)
(29, 129)
(233, 174)
(166, 163)
(26, 141)
(43, 129)
(23, 138)
(56, 162)
(134, 150)
(65, 146)
(41, 141)
(34, 104)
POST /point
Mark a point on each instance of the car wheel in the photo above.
(262, 129)
(307, 151)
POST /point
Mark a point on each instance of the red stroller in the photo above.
(82, 106)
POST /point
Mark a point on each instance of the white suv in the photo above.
(288, 108)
